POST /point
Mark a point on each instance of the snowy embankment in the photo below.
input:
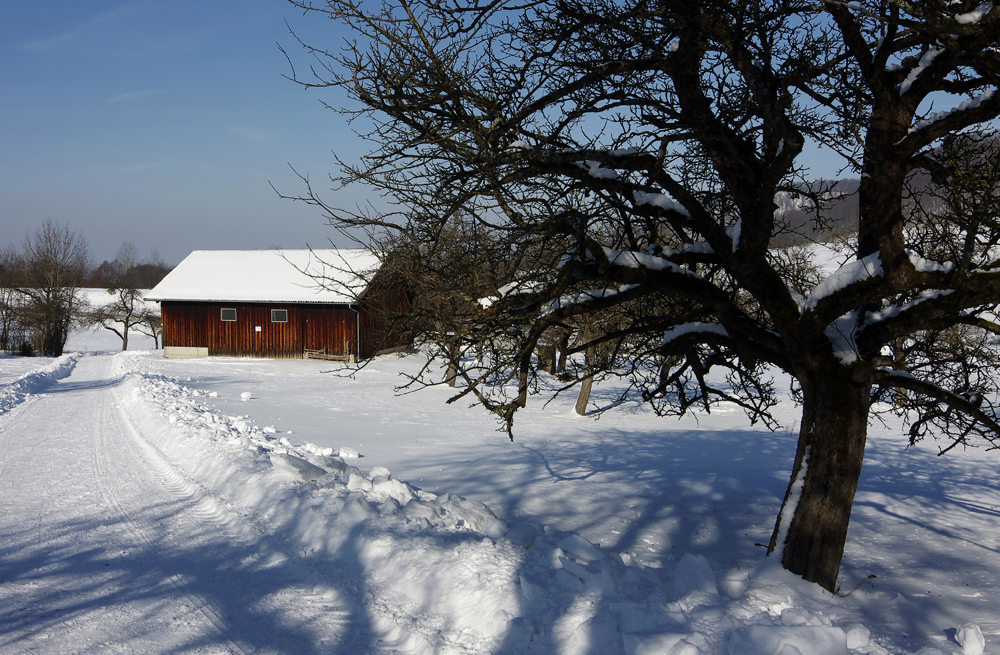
(34, 381)
(443, 574)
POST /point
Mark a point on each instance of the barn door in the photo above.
(315, 333)
(330, 332)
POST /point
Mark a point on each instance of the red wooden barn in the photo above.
(332, 304)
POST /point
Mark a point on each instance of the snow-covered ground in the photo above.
(213, 506)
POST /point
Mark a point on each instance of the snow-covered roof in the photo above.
(290, 276)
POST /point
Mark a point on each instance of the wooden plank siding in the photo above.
(382, 307)
(333, 328)
(200, 324)
(329, 327)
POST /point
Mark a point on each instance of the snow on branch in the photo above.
(733, 232)
(925, 61)
(928, 266)
(661, 200)
(974, 16)
(648, 259)
(595, 169)
(841, 334)
(574, 299)
(633, 259)
(848, 274)
(675, 333)
(971, 103)
(893, 311)
(518, 287)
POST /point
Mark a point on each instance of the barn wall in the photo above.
(195, 325)
(383, 306)
(331, 328)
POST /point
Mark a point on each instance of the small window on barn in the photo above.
(228, 314)
(279, 315)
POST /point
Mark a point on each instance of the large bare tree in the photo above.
(629, 157)
(55, 262)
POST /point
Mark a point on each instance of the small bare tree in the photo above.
(12, 335)
(125, 308)
(151, 324)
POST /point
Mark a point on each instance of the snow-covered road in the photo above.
(105, 548)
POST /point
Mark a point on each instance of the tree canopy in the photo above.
(624, 165)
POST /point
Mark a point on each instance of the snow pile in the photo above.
(970, 638)
(445, 574)
(36, 381)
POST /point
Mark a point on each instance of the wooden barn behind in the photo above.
(329, 304)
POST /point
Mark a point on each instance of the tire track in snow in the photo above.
(9, 422)
(118, 470)
(24, 389)
(108, 547)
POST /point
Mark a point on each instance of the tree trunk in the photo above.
(451, 375)
(563, 347)
(547, 358)
(587, 384)
(817, 505)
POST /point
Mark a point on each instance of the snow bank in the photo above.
(16, 392)
(785, 640)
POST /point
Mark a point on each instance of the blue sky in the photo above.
(161, 123)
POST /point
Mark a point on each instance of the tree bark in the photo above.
(547, 358)
(451, 375)
(587, 384)
(562, 344)
(824, 476)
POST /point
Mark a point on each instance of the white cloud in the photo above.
(253, 134)
(136, 96)
(88, 28)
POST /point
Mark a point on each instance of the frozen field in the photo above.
(442, 536)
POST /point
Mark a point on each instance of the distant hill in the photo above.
(800, 222)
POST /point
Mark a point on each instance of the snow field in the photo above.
(418, 571)
(518, 588)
